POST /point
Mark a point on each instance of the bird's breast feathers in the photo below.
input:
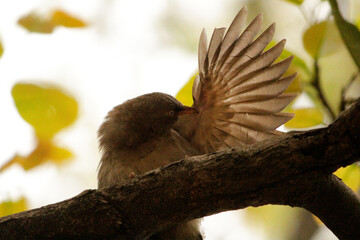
(123, 164)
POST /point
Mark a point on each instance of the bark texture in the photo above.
(294, 169)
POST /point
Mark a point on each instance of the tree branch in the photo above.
(336, 202)
(294, 169)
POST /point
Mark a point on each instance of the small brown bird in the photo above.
(238, 96)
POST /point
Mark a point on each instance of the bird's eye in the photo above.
(172, 113)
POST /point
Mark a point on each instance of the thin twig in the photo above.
(344, 90)
(316, 84)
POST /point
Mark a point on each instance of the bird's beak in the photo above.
(188, 110)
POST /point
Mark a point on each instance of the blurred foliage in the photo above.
(305, 118)
(349, 33)
(351, 176)
(185, 93)
(321, 39)
(297, 2)
(272, 216)
(178, 28)
(45, 151)
(46, 24)
(313, 38)
(11, 207)
(1, 49)
(331, 41)
(61, 18)
(298, 65)
(34, 23)
(48, 110)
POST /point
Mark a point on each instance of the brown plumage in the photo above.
(238, 96)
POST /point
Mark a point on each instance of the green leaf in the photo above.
(349, 33)
(47, 109)
(185, 94)
(305, 117)
(11, 207)
(313, 38)
(297, 2)
(322, 39)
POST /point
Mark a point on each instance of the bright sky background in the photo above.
(127, 51)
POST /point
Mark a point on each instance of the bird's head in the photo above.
(139, 119)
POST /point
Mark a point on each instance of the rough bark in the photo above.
(294, 169)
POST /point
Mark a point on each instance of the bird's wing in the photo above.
(239, 89)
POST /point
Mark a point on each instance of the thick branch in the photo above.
(335, 202)
(294, 169)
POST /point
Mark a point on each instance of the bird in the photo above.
(238, 98)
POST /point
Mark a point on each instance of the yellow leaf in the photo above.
(59, 154)
(1, 49)
(61, 18)
(351, 176)
(11, 207)
(44, 151)
(45, 24)
(305, 117)
(295, 86)
(313, 38)
(47, 109)
(34, 23)
(185, 93)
